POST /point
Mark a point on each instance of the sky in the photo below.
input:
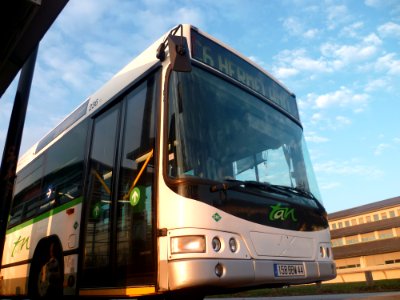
(341, 59)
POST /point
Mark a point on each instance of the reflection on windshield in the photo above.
(219, 132)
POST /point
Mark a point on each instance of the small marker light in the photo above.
(328, 252)
(321, 251)
(233, 245)
(219, 270)
(216, 244)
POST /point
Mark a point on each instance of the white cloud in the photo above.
(317, 117)
(344, 97)
(376, 84)
(373, 3)
(389, 29)
(297, 28)
(381, 148)
(283, 72)
(347, 54)
(79, 16)
(329, 185)
(104, 54)
(342, 121)
(336, 15)
(292, 62)
(313, 137)
(293, 26)
(388, 63)
(333, 57)
(347, 167)
(309, 64)
(372, 40)
(311, 33)
(352, 29)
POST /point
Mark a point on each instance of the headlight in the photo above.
(188, 244)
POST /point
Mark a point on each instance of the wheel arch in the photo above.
(42, 254)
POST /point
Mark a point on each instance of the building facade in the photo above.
(366, 241)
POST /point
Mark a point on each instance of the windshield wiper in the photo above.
(232, 183)
(300, 192)
(226, 185)
(296, 190)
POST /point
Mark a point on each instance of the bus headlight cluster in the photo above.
(216, 244)
(188, 244)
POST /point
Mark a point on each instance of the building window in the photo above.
(385, 234)
(333, 226)
(337, 242)
(392, 214)
(353, 222)
(340, 224)
(392, 261)
(376, 217)
(368, 219)
(383, 216)
(347, 223)
(349, 266)
(367, 237)
(351, 240)
(360, 220)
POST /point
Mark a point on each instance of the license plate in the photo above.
(281, 270)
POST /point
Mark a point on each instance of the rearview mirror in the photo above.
(179, 53)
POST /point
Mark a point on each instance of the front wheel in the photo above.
(45, 278)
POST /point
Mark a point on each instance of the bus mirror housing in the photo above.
(179, 53)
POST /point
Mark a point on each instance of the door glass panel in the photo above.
(98, 230)
(135, 243)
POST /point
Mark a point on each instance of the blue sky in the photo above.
(341, 59)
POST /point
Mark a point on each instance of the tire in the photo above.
(46, 274)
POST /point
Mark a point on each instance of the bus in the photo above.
(186, 174)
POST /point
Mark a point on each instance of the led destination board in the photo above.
(217, 57)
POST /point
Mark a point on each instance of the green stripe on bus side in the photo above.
(46, 214)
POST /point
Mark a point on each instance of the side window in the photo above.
(52, 179)
(63, 172)
(28, 189)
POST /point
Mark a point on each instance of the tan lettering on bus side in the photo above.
(19, 245)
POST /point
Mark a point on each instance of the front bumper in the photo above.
(197, 273)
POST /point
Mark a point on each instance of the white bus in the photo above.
(186, 174)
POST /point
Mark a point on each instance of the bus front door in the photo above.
(119, 235)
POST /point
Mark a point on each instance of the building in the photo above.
(366, 241)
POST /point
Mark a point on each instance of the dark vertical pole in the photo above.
(13, 144)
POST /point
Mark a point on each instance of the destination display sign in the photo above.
(221, 59)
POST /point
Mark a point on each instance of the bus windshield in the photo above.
(219, 132)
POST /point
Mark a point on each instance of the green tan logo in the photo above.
(216, 217)
(281, 213)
